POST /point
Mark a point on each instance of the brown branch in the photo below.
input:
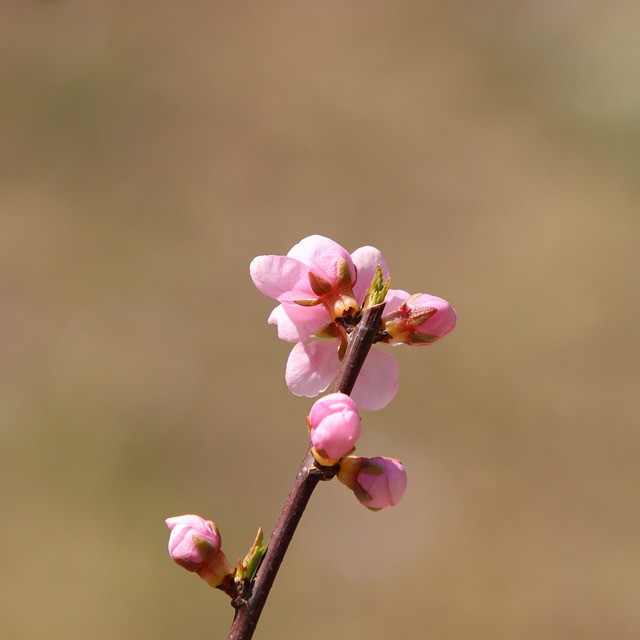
(248, 611)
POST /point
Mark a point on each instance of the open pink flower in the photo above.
(376, 482)
(321, 288)
(194, 544)
(334, 427)
(317, 282)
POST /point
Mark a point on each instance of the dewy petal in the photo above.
(282, 278)
(377, 383)
(312, 367)
(366, 259)
(322, 255)
(296, 323)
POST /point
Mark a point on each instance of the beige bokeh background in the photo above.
(151, 149)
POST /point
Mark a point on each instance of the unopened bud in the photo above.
(421, 319)
(334, 427)
(376, 482)
(194, 544)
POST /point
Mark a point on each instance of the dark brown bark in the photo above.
(248, 611)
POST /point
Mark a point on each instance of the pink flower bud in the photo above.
(421, 319)
(334, 427)
(376, 482)
(194, 544)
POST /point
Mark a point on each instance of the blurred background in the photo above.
(490, 149)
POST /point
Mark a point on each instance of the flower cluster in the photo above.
(334, 427)
(321, 289)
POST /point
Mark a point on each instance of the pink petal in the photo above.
(442, 322)
(334, 424)
(330, 404)
(198, 523)
(321, 254)
(397, 480)
(282, 278)
(385, 489)
(182, 546)
(366, 259)
(336, 436)
(395, 297)
(296, 323)
(311, 367)
(377, 383)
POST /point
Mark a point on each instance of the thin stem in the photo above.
(359, 344)
(248, 611)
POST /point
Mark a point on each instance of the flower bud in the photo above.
(376, 482)
(194, 544)
(334, 427)
(421, 319)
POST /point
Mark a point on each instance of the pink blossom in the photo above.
(321, 289)
(376, 482)
(334, 427)
(194, 544)
(417, 319)
(316, 283)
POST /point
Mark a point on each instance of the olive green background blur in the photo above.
(150, 150)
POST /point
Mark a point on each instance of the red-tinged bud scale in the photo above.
(421, 319)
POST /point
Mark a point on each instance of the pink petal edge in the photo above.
(377, 383)
(311, 367)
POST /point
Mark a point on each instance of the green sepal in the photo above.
(377, 290)
(422, 338)
(204, 547)
(372, 468)
(249, 566)
(361, 494)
